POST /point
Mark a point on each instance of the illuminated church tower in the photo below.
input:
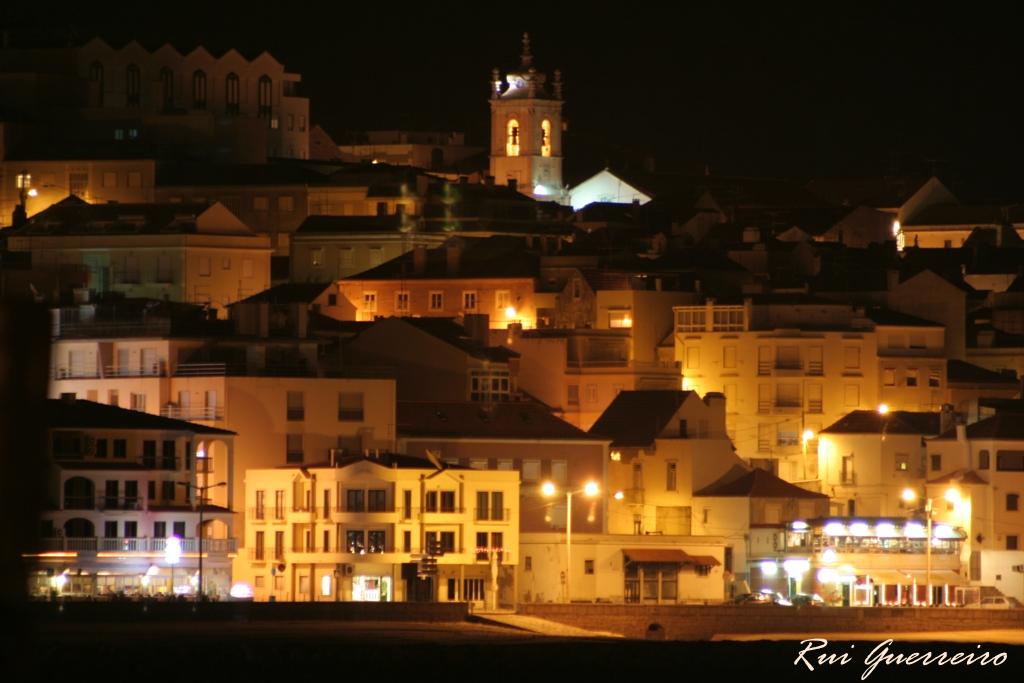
(526, 130)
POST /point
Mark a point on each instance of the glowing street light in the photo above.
(590, 490)
(883, 409)
(909, 495)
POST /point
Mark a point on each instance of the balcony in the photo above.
(156, 369)
(814, 367)
(789, 365)
(203, 413)
(104, 503)
(815, 407)
(135, 545)
(154, 327)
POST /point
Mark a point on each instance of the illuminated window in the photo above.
(502, 299)
(167, 87)
(512, 141)
(620, 319)
(469, 301)
(436, 301)
(231, 93)
(370, 302)
(545, 138)
(316, 257)
(888, 377)
(401, 302)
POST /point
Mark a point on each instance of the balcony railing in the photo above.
(367, 508)
(209, 413)
(135, 545)
(118, 503)
(156, 369)
(814, 367)
(764, 406)
(789, 365)
(764, 367)
(814, 407)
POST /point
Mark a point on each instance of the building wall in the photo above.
(928, 296)
(605, 187)
(543, 582)
(874, 483)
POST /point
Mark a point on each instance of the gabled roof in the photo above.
(636, 418)
(81, 414)
(757, 483)
(389, 460)
(511, 420)
(893, 422)
(962, 372)
(449, 332)
(287, 293)
(874, 192)
(961, 476)
(392, 223)
(999, 427)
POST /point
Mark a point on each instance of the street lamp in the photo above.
(202, 500)
(590, 490)
(909, 496)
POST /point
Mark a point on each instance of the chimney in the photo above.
(478, 327)
(947, 418)
(961, 432)
(419, 259)
(453, 253)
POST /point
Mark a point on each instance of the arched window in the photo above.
(96, 76)
(264, 99)
(231, 94)
(512, 138)
(199, 89)
(132, 86)
(167, 87)
(545, 138)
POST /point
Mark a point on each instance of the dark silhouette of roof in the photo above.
(383, 459)
(893, 422)
(66, 413)
(958, 371)
(757, 483)
(635, 418)
(1001, 426)
(492, 257)
(515, 420)
(961, 476)
(287, 293)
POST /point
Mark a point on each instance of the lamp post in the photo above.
(200, 594)
(909, 496)
(590, 489)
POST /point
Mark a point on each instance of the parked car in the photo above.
(765, 597)
(808, 600)
(996, 603)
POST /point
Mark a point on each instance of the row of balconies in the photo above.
(103, 503)
(96, 371)
(299, 554)
(790, 406)
(785, 367)
(134, 545)
(277, 514)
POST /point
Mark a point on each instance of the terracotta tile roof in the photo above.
(1002, 426)
(81, 414)
(668, 555)
(757, 483)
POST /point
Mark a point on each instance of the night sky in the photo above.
(794, 92)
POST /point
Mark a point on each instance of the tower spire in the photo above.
(527, 57)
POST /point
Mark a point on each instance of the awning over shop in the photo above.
(668, 555)
(940, 577)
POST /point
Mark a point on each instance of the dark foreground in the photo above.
(366, 651)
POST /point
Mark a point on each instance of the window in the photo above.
(346, 257)
(110, 529)
(1012, 502)
(376, 540)
(302, 123)
(260, 203)
(531, 471)
(131, 529)
(911, 378)
(350, 407)
(133, 80)
(78, 183)
(512, 138)
(376, 256)
(401, 302)
(936, 462)
(573, 398)
(902, 462)
(503, 301)
(296, 406)
(232, 89)
(159, 529)
(109, 179)
(264, 95)
(376, 500)
(1012, 542)
(983, 460)
(727, 319)
(545, 138)
(370, 303)
(488, 386)
(119, 133)
(101, 448)
(205, 266)
(934, 379)
(577, 288)
(199, 89)
(692, 358)
(888, 377)
(167, 88)
(293, 448)
(120, 448)
(591, 393)
(96, 76)
(261, 504)
(670, 477)
(225, 263)
(469, 301)
(406, 541)
(168, 490)
(447, 501)
(354, 541)
(260, 549)
(286, 203)
(134, 179)
(851, 396)
(436, 301)
(729, 357)
(851, 358)
(139, 402)
(588, 567)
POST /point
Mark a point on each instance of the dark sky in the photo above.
(799, 92)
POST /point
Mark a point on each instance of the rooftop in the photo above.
(1001, 427)
(756, 483)
(636, 418)
(515, 420)
(893, 422)
(81, 414)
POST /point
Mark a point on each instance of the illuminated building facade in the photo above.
(122, 484)
(866, 561)
(355, 528)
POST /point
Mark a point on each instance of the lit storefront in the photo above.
(872, 561)
(372, 589)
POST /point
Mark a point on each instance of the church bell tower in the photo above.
(526, 130)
